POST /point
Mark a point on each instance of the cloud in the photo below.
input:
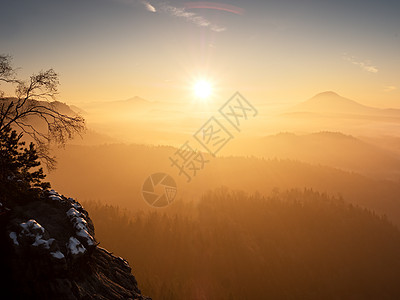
(365, 65)
(217, 6)
(389, 88)
(148, 6)
(194, 18)
(157, 6)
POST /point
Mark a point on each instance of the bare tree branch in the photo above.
(33, 103)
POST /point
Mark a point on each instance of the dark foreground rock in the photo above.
(48, 251)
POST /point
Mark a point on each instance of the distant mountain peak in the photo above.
(330, 101)
(136, 99)
(327, 94)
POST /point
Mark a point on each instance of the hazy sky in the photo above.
(268, 50)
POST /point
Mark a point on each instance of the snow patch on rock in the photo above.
(57, 254)
(88, 238)
(53, 192)
(72, 212)
(75, 247)
(80, 225)
(13, 236)
(31, 228)
(40, 242)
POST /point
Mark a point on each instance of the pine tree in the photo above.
(21, 176)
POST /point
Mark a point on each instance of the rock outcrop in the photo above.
(48, 251)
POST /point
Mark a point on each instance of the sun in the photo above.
(202, 89)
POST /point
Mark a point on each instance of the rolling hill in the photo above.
(332, 149)
(120, 171)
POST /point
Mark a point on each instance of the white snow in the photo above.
(13, 236)
(55, 198)
(84, 234)
(33, 229)
(75, 247)
(42, 242)
(53, 192)
(79, 221)
(76, 205)
(80, 225)
(72, 212)
(57, 255)
(29, 226)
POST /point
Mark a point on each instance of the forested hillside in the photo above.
(291, 245)
(120, 171)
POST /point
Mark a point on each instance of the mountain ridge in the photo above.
(332, 102)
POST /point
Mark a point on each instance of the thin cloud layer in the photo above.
(217, 6)
(181, 12)
(389, 88)
(365, 65)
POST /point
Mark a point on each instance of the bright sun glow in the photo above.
(202, 89)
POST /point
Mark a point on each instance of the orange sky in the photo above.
(277, 51)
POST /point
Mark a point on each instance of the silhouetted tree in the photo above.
(32, 100)
(20, 174)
